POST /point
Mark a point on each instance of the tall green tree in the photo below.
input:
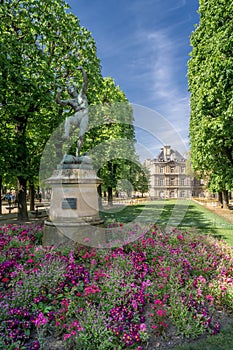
(111, 135)
(210, 77)
(41, 44)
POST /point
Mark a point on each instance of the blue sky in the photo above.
(144, 46)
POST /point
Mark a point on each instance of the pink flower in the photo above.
(163, 324)
(91, 289)
(210, 298)
(40, 320)
(202, 279)
(134, 304)
(181, 238)
(143, 327)
(66, 336)
(161, 312)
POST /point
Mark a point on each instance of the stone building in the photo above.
(169, 178)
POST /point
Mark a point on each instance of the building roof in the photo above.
(168, 154)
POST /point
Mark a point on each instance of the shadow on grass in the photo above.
(222, 341)
(182, 214)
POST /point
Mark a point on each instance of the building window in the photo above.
(172, 169)
(182, 169)
(182, 182)
(172, 181)
(182, 194)
(161, 182)
(161, 169)
(172, 194)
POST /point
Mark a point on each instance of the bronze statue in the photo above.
(79, 103)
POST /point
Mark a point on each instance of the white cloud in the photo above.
(166, 95)
(180, 4)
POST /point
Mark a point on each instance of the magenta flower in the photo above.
(161, 312)
(66, 336)
(143, 327)
(41, 320)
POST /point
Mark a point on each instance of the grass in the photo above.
(223, 341)
(174, 213)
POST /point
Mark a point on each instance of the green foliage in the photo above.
(110, 139)
(41, 44)
(210, 76)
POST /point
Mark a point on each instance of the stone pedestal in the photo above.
(74, 208)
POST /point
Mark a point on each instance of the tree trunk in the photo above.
(220, 199)
(109, 195)
(225, 199)
(22, 199)
(32, 196)
(99, 190)
(112, 168)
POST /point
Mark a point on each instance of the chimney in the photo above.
(167, 152)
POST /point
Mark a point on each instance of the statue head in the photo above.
(72, 90)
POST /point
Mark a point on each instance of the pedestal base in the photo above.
(60, 234)
(74, 209)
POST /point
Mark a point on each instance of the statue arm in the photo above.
(62, 102)
(84, 86)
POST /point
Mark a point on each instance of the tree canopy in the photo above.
(210, 77)
(41, 45)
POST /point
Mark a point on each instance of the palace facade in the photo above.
(169, 177)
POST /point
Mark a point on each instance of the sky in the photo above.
(144, 45)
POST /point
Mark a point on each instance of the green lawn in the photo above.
(174, 213)
(222, 341)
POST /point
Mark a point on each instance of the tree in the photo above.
(142, 180)
(111, 137)
(210, 76)
(41, 43)
(134, 178)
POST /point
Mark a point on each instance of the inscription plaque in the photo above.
(69, 203)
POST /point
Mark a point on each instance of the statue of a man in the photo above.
(79, 103)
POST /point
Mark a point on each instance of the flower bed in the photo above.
(163, 288)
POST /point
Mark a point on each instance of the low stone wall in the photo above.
(207, 202)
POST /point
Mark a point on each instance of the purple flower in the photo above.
(41, 320)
